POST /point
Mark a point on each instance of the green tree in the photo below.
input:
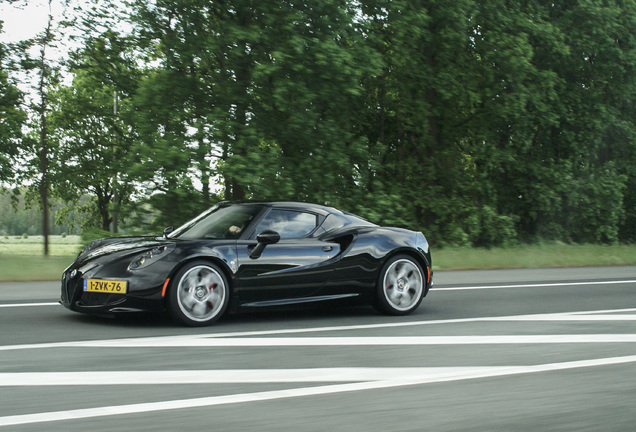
(265, 92)
(600, 91)
(479, 122)
(92, 127)
(306, 104)
(12, 116)
(493, 120)
(516, 164)
(177, 144)
(558, 125)
(419, 107)
(37, 147)
(18, 215)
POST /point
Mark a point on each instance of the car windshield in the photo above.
(220, 222)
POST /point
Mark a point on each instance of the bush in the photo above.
(493, 229)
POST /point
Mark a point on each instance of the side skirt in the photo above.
(301, 300)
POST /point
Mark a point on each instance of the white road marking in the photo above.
(409, 378)
(308, 375)
(350, 379)
(573, 317)
(462, 288)
(241, 338)
(233, 376)
(541, 285)
(198, 342)
(17, 305)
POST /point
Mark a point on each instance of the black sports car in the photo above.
(250, 255)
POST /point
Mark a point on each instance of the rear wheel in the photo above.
(199, 294)
(400, 286)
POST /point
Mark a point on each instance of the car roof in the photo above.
(324, 211)
(292, 205)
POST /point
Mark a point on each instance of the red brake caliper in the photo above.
(209, 303)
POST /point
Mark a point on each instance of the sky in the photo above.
(24, 22)
(25, 19)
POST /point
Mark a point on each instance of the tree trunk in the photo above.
(44, 150)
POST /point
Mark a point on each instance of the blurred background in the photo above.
(481, 123)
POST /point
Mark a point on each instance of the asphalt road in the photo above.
(510, 350)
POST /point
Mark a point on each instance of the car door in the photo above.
(294, 268)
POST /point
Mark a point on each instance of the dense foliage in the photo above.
(12, 117)
(479, 122)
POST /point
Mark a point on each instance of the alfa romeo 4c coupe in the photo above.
(241, 256)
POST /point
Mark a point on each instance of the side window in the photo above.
(333, 222)
(288, 223)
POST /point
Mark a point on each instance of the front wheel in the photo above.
(199, 294)
(400, 286)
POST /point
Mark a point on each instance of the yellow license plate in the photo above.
(105, 286)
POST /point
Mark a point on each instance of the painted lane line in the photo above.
(539, 317)
(476, 373)
(199, 342)
(563, 316)
(304, 375)
(573, 317)
(17, 305)
(231, 376)
(603, 311)
(205, 342)
(463, 288)
(541, 285)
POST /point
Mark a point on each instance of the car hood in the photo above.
(108, 246)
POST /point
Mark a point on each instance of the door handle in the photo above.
(327, 248)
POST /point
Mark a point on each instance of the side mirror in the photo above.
(264, 238)
(268, 237)
(168, 231)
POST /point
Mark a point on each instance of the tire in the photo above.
(400, 286)
(199, 294)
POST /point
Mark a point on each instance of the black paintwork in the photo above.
(332, 263)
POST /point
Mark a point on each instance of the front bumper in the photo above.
(142, 296)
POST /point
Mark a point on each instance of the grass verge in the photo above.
(22, 261)
(533, 256)
(34, 245)
(23, 268)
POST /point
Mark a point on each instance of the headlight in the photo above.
(150, 257)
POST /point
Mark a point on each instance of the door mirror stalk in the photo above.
(263, 238)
